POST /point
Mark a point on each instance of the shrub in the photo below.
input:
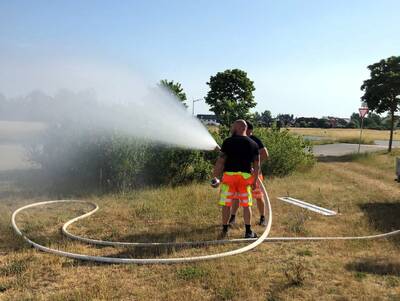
(166, 165)
(110, 161)
(287, 152)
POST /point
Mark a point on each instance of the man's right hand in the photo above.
(215, 182)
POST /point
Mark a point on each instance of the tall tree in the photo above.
(285, 119)
(382, 90)
(231, 95)
(175, 88)
(266, 118)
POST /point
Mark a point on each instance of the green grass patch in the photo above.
(360, 275)
(226, 293)
(355, 141)
(304, 253)
(191, 273)
(14, 268)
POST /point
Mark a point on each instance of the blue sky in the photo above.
(307, 58)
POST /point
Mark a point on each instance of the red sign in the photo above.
(363, 111)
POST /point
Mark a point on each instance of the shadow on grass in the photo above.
(174, 236)
(345, 158)
(178, 236)
(29, 183)
(384, 217)
(378, 266)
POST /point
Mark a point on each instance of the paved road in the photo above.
(340, 149)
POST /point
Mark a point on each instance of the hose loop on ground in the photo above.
(253, 242)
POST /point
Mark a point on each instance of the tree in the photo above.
(285, 119)
(175, 88)
(382, 90)
(355, 120)
(230, 96)
(323, 123)
(266, 118)
(373, 121)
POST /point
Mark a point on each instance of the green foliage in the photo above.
(175, 88)
(15, 267)
(166, 165)
(287, 152)
(226, 293)
(110, 161)
(191, 273)
(382, 90)
(230, 96)
(285, 119)
(372, 121)
(323, 123)
(360, 276)
(304, 253)
(264, 119)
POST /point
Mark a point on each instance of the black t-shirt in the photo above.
(240, 151)
(258, 141)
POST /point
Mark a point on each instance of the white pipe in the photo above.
(255, 242)
(308, 206)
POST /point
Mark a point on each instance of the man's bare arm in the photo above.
(264, 155)
(219, 166)
(256, 172)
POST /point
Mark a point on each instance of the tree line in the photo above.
(371, 121)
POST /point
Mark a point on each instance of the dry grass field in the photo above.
(346, 134)
(361, 189)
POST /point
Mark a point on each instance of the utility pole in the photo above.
(193, 101)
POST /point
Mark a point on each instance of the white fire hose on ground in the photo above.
(254, 242)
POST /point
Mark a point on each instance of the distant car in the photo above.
(211, 122)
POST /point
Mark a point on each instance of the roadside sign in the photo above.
(363, 111)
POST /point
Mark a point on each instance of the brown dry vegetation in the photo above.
(361, 189)
(347, 134)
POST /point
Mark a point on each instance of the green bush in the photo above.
(287, 152)
(111, 161)
(166, 165)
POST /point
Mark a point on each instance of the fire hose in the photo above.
(253, 243)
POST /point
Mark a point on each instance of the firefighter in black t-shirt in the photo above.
(239, 162)
(256, 193)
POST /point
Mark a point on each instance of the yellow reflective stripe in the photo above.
(227, 193)
(243, 174)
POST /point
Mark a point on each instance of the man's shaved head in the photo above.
(239, 127)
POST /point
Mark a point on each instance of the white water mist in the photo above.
(106, 98)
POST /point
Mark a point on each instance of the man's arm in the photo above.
(256, 172)
(219, 166)
(264, 155)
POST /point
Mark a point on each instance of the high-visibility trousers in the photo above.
(236, 186)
